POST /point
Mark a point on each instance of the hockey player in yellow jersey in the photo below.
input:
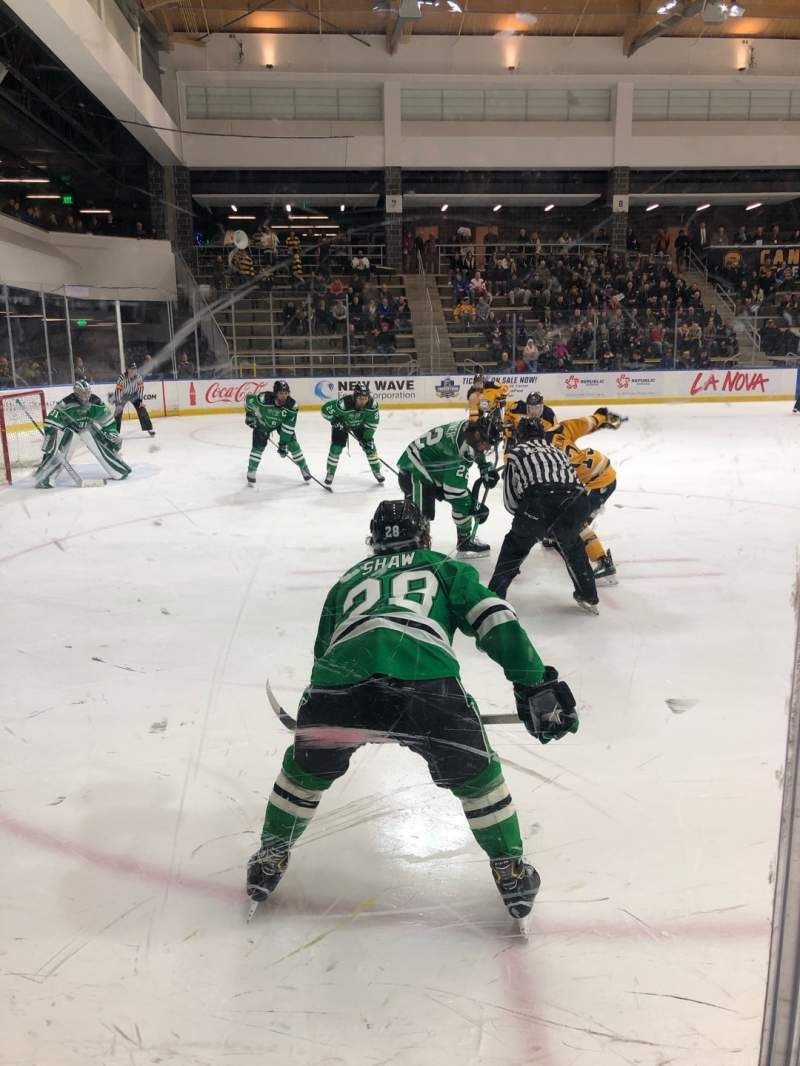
(595, 472)
(485, 396)
(533, 406)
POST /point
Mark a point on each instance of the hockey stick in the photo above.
(321, 484)
(383, 462)
(68, 468)
(291, 723)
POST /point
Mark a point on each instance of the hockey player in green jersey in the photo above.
(80, 416)
(265, 412)
(356, 415)
(384, 669)
(436, 467)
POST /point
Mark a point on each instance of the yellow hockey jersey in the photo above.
(592, 467)
(483, 399)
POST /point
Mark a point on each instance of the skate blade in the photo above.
(473, 555)
(608, 580)
(589, 608)
(523, 927)
(251, 910)
(92, 482)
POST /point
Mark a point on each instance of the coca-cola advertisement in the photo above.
(232, 393)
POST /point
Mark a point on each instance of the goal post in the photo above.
(20, 439)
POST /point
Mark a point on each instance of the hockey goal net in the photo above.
(20, 440)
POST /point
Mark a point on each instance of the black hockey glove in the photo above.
(613, 420)
(490, 477)
(250, 420)
(339, 427)
(481, 512)
(547, 710)
(282, 451)
(358, 434)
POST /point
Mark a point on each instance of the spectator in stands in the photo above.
(720, 236)
(402, 314)
(6, 378)
(742, 236)
(386, 341)
(460, 287)
(504, 364)
(661, 243)
(632, 241)
(338, 315)
(465, 312)
(140, 232)
(361, 265)
(759, 237)
(482, 310)
(386, 306)
(81, 369)
(218, 276)
(186, 368)
(429, 256)
(682, 248)
(530, 354)
(565, 240)
(325, 319)
(477, 286)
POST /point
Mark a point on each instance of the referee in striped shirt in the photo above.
(546, 498)
(130, 389)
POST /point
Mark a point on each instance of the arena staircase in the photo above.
(431, 341)
(715, 296)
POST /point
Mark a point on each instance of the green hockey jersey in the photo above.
(396, 614)
(438, 459)
(363, 421)
(261, 412)
(70, 413)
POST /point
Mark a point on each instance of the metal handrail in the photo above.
(208, 321)
(575, 247)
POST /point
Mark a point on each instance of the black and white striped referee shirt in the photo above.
(128, 389)
(533, 463)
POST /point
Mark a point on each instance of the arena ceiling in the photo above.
(627, 19)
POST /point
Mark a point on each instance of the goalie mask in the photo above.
(83, 391)
(397, 524)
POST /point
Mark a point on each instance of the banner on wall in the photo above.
(755, 256)
(218, 395)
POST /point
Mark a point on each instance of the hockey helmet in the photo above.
(281, 386)
(397, 524)
(361, 389)
(530, 429)
(83, 390)
(534, 398)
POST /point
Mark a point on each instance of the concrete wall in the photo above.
(308, 60)
(109, 267)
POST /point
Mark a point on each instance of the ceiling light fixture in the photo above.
(42, 196)
(702, 207)
(653, 207)
(234, 207)
(444, 208)
(242, 218)
(341, 207)
(549, 208)
(497, 207)
(94, 211)
(288, 209)
(25, 181)
(752, 207)
(309, 218)
(511, 68)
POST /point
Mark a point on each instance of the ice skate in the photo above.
(471, 549)
(586, 605)
(264, 871)
(251, 480)
(517, 882)
(306, 474)
(379, 477)
(606, 571)
(329, 480)
(152, 432)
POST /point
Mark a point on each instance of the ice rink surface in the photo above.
(139, 622)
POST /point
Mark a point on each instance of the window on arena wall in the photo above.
(308, 103)
(715, 105)
(506, 105)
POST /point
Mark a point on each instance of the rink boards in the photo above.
(220, 395)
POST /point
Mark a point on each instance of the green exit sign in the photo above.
(66, 199)
(81, 321)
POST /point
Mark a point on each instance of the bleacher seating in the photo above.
(284, 325)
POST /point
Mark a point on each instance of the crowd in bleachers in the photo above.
(52, 215)
(597, 308)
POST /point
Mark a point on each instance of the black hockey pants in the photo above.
(141, 411)
(553, 511)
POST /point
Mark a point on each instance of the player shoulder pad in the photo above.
(95, 399)
(267, 397)
(348, 402)
(71, 398)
